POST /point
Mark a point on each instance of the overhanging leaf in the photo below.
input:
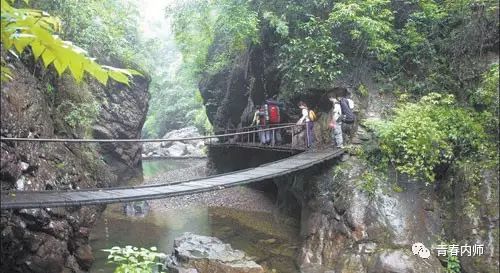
(48, 57)
(37, 48)
(119, 77)
(76, 68)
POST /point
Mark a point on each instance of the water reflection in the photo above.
(136, 209)
(268, 237)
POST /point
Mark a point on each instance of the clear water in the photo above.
(153, 167)
(270, 238)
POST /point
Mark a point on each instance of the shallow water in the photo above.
(153, 167)
(270, 238)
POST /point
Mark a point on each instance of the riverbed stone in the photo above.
(177, 149)
(210, 255)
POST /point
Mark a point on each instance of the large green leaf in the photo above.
(37, 48)
(30, 27)
(76, 68)
(48, 57)
(119, 77)
(96, 71)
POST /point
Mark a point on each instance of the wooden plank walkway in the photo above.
(43, 199)
(282, 147)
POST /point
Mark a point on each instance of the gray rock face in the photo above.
(188, 148)
(54, 240)
(346, 230)
(122, 116)
(203, 254)
(229, 96)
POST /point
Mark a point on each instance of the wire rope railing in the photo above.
(247, 134)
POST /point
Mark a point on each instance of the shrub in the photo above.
(134, 260)
(426, 134)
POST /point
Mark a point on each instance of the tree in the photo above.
(23, 27)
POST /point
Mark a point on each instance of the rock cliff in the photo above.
(37, 104)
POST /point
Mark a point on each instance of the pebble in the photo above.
(239, 197)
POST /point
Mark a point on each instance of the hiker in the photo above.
(348, 117)
(342, 113)
(259, 120)
(273, 108)
(309, 123)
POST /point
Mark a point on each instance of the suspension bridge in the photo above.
(241, 137)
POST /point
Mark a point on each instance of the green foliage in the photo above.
(79, 114)
(173, 107)
(5, 72)
(35, 28)
(426, 134)
(198, 24)
(201, 122)
(369, 183)
(105, 28)
(363, 91)
(311, 60)
(369, 22)
(486, 99)
(134, 260)
(278, 23)
(452, 264)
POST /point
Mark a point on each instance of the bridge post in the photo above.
(293, 137)
(274, 137)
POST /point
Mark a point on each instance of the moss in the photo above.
(362, 90)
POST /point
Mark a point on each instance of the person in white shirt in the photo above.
(336, 123)
(309, 124)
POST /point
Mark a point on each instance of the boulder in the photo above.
(187, 132)
(177, 149)
(205, 254)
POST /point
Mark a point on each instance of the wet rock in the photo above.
(177, 149)
(210, 255)
(20, 183)
(399, 261)
(268, 241)
(35, 217)
(84, 256)
(339, 218)
(42, 240)
(23, 166)
(59, 229)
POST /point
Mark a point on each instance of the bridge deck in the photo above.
(41, 199)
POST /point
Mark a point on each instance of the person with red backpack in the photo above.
(273, 110)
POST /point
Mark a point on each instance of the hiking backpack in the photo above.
(274, 114)
(312, 115)
(347, 114)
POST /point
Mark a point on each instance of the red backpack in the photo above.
(274, 114)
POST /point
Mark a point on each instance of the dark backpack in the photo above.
(347, 114)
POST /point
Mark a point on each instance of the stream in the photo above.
(266, 235)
